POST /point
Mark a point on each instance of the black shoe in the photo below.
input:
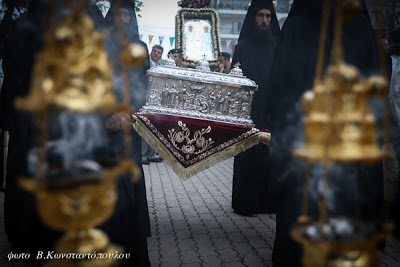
(156, 158)
(243, 213)
(381, 245)
(396, 232)
(145, 161)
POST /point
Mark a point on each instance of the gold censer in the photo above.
(72, 88)
(339, 128)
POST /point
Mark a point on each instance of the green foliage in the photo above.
(138, 7)
(194, 3)
(10, 9)
(13, 8)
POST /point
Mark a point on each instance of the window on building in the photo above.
(236, 27)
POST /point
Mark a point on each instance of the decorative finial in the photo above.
(236, 70)
(203, 65)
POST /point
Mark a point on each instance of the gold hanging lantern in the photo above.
(339, 124)
(76, 205)
(339, 127)
(71, 98)
(338, 242)
(72, 72)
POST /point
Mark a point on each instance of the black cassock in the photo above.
(355, 191)
(24, 230)
(254, 52)
(131, 216)
(129, 226)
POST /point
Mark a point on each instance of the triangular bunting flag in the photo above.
(140, 37)
(150, 38)
(161, 38)
(171, 40)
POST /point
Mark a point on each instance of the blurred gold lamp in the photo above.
(339, 127)
(74, 163)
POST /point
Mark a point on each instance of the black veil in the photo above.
(131, 30)
(249, 22)
(137, 76)
(255, 51)
(97, 17)
(297, 50)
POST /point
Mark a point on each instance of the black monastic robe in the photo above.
(254, 52)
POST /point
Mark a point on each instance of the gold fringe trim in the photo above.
(186, 173)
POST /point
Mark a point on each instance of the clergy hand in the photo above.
(118, 121)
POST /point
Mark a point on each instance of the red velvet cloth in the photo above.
(192, 140)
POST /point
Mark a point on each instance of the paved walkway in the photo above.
(193, 223)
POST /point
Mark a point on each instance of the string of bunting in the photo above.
(160, 39)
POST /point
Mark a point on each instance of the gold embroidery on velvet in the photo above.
(181, 140)
(201, 162)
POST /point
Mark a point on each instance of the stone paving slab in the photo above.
(193, 223)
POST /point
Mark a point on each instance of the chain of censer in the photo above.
(123, 45)
(386, 113)
(317, 81)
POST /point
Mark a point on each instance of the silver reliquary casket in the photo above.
(200, 94)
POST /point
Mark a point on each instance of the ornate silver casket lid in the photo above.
(200, 94)
(202, 73)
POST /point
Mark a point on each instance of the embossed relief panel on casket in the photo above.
(200, 94)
